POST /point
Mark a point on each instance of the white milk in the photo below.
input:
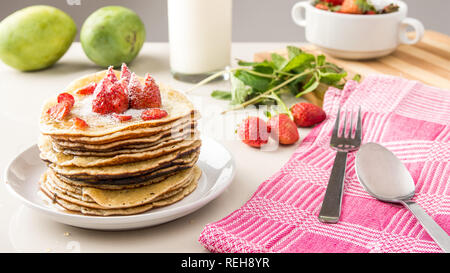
(199, 35)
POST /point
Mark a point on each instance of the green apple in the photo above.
(112, 35)
(35, 37)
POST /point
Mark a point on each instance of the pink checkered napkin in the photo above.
(410, 119)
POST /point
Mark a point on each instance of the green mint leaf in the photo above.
(221, 95)
(293, 51)
(330, 67)
(254, 81)
(310, 88)
(311, 81)
(357, 78)
(320, 60)
(278, 61)
(332, 78)
(263, 69)
(265, 66)
(245, 63)
(300, 61)
(239, 91)
(294, 86)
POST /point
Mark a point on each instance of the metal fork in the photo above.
(343, 143)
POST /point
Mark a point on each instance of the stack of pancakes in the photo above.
(119, 168)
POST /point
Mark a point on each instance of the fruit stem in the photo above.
(255, 99)
(283, 105)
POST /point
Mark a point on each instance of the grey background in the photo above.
(253, 20)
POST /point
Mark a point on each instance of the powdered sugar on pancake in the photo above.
(83, 110)
(173, 102)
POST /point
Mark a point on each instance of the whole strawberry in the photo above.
(283, 129)
(253, 131)
(307, 114)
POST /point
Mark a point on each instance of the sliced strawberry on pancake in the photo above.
(125, 74)
(66, 97)
(110, 100)
(154, 113)
(111, 75)
(79, 123)
(144, 96)
(87, 90)
(60, 110)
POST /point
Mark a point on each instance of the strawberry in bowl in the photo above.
(357, 6)
(356, 29)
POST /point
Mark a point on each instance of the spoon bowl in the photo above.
(385, 177)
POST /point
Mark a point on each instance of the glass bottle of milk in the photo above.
(199, 37)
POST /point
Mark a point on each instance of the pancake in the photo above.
(134, 143)
(127, 134)
(142, 195)
(66, 160)
(76, 189)
(124, 150)
(106, 199)
(175, 103)
(121, 212)
(87, 201)
(180, 194)
(131, 181)
(64, 181)
(184, 155)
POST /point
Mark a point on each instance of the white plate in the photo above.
(216, 162)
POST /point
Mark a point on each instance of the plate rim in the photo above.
(210, 195)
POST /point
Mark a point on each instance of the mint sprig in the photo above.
(263, 82)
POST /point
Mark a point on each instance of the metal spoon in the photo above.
(384, 176)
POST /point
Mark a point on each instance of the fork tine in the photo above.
(336, 124)
(350, 131)
(344, 127)
(358, 125)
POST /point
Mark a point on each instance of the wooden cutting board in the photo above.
(427, 61)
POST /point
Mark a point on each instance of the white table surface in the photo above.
(22, 229)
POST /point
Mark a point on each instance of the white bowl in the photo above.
(356, 36)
